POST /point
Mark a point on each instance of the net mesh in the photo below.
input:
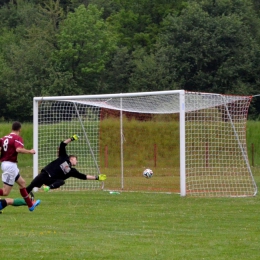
(215, 136)
(216, 152)
(57, 121)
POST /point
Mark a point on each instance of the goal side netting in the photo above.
(195, 143)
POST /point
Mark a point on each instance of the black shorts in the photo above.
(42, 179)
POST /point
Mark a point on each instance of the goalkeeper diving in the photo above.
(55, 173)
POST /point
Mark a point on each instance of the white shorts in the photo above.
(10, 172)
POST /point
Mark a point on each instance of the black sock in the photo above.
(3, 204)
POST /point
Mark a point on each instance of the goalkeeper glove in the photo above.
(101, 177)
(74, 137)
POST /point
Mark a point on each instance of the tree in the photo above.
(212, 53)
(118, 71)
(149, 73)
(138, 23)
(84, 46)
(25, 52)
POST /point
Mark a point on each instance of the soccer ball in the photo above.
(148, 173)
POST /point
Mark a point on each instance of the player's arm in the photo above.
(100, 177)
(76, 174)
(67, 141)
(26, 151)
(62, 149)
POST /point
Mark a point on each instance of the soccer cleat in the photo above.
(46, 188)
(35, 204)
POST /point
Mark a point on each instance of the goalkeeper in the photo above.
(55, 173)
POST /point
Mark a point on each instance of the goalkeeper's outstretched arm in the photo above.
(100, 177)
(57, 184)
(82, 176)
(62, 149)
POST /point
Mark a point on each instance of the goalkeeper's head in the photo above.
(73, 160)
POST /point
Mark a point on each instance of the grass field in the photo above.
(132, 225)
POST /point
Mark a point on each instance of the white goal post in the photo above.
(195, 143)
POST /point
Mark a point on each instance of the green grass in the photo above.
(253, 142)
(131, 225)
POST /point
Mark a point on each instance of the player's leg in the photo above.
(21, 182)
(55, 185)
(31, 205)
(18, 202)
(5, 202)
(38, 181)
(32, 195)
(6, 189)
(8, 177)
(14, 202)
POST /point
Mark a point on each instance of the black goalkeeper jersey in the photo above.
(61, 167)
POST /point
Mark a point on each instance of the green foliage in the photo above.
(53, 13)
(84, 43)
(256, 5)
(138, 24)
(212, 53)
(253, 142)
(149, 73)
(116, 78)
(26, 61)
(74, 47)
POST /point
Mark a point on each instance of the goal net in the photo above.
(195, 143)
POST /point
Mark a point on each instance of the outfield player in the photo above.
(55, 173)
(14, 202)
(10, 146)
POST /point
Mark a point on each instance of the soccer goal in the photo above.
(195, 143)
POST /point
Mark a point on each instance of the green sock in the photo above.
(19, 202)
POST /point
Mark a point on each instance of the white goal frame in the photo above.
(182, 111)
